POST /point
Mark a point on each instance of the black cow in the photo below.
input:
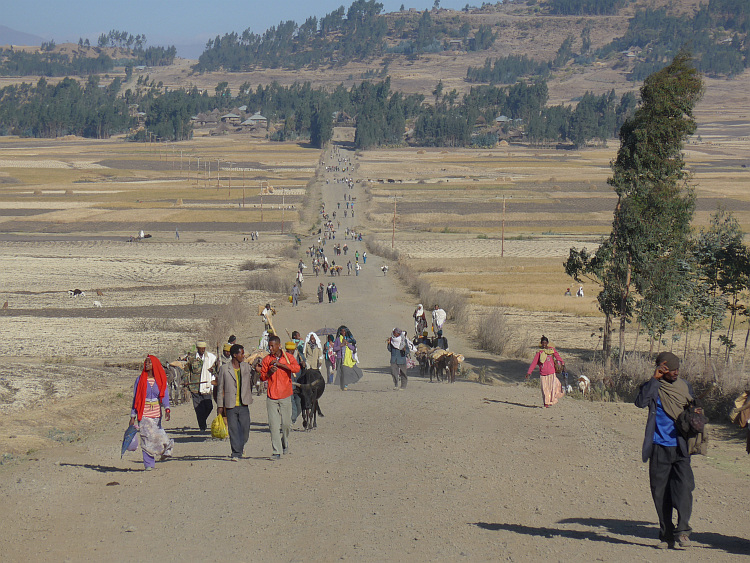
(310, 386)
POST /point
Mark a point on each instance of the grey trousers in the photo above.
(396, 371)
(279, 422)
(238, 424)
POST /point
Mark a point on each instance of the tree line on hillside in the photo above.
(21, 63)
(47, 63)
(717, 35)
(585, 7)
(343, 35)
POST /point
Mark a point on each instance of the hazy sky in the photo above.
(168, 22)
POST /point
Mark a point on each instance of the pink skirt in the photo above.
(551, 389)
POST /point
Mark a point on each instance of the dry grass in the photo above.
(453, 302)
(232, 318)
(252, 265)
(270, 281)
(495, 334)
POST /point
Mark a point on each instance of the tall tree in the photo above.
(655, 202)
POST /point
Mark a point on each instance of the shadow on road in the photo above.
(101, 468)
(602, 528)
(587, 535)
(728, 544)
(486, 400)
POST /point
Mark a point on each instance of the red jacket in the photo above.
(280, 381)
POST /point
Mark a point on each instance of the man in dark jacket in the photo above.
(670, 474)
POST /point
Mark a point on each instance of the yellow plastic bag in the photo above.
(219, 428)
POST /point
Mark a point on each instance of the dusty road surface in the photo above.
(435, 472)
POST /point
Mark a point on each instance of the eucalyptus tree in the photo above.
(644, 257)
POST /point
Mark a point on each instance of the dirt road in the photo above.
(435, 472)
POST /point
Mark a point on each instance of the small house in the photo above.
(256, 120)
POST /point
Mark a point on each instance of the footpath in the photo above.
(436, 472)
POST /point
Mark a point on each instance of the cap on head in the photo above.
(201, 344)
(672, 361)
(290, 346)
(227, 347)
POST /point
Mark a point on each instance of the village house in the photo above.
(256, 120)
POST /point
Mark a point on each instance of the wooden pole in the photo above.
(282, 210)
(502, 235)
(393, 236)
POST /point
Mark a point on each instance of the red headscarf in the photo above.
(139, 402)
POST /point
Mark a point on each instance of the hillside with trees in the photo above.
(360, 32)
(116, 48)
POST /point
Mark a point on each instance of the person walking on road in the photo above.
(233, 397)
(330, 359)
(277, 369)
(399, 348)
(438, 319)
(295, 294)
(200, 379)
(547, 359)
(420, 320)
(668, 452)
(345, 347)
(321, 292)
(150, 393)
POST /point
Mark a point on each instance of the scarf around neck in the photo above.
(674, 396)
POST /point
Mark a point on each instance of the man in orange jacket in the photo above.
(277, 368)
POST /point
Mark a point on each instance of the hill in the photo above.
(10, 36)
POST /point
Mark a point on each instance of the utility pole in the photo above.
(261, 198)
(502, 235)
(393, 237)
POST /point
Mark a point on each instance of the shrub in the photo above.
(252, 265)
(230, 318)
(495, 334)
(271, 281)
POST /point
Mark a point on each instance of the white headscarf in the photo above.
(398, 342)
(420, 310)
(315, 337)
(439, 316)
